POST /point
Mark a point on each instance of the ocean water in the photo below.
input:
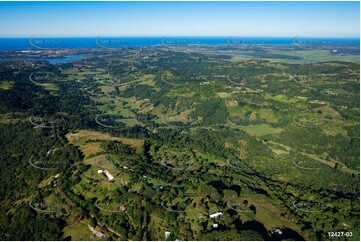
(117, 42)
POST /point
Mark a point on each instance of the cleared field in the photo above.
(106, 89)
(269, 214)
(282, 98)
(183, 116)
(331, 163)
(316, 55)
(5, 85)
(46, 182)
(81, 138)
(147, 79)
(8, 118)
(268, 114)
(238, 111)
(79, 232)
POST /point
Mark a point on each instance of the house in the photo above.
(110, 177)
(215, 215)
(277, 233)
(215, 226)
(95, 232)
(167, 234)
(57, 176)
(122, 208)
(99, 234)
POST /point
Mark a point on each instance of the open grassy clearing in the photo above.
(317, 55)
(81, 137)
(261, 130)
(6, 85)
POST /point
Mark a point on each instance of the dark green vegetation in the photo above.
(272, 145)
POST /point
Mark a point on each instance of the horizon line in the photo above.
(169, 36)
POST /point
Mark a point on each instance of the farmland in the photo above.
(137, 142)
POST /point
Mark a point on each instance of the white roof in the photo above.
(99, 234)
(214, 215)
(110, 177)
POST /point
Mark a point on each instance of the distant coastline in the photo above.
(17, 43)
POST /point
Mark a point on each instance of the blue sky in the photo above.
(264, 19)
